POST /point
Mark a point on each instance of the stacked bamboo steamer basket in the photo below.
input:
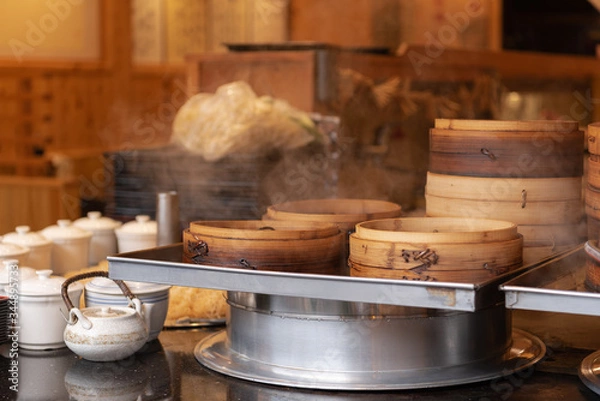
(289, 246)
(592, 189)
(526, 172)
(435, 249)
(343, 212)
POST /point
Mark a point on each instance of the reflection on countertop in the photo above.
(166, 369)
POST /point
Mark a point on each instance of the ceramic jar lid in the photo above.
(11, 251)
(25, 237)
(95, 222)
(102, 285)
(142, 225)
(24, 273)
(45, 284)
(64, 229)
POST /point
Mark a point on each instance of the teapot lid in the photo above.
(96, 222)
(141, 225)
(65, 229)
(45, 284)
(8, 250)
(103, 285)
(24, 273)
(24, 236)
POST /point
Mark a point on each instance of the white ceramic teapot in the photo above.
(104, 333)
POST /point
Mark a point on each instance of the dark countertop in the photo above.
(167, 370)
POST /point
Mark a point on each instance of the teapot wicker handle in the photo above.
(65, 286)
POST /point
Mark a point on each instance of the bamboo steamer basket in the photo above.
(548, 211)
(552, 235)
(534, 213)
(593, 228)
(457, 276)
(306, 247)
(524, 201)
(435, 249)
(592, 210)
(593, 138)
(593, 170)
(592, 202)
(592, 265)
(534, 253)
(505, 189)
(544, 240)
(530, 149)
(345, 213)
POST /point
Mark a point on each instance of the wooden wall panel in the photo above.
(388, 23)
(37, 202)
(332, 21)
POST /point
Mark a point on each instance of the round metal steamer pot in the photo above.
(322, 344)
(435, 249)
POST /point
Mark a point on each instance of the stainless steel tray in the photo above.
(554, 286)
(164, 265)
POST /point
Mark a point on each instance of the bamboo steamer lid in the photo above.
(446, 230)
(531, 149)
(507, 125)
(528, 213)
(307, 247)
(438, 249)
(261, 230)
(346, 213)
(504, 189)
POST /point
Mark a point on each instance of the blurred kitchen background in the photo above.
(89, 90)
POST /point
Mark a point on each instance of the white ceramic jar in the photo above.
(155, 300)
(71, 246)
(138, 234)
(42, 311)
(104, 240)
(13, 274)
(40, 256)
(13, 251)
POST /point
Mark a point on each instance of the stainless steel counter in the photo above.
(168, 370)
